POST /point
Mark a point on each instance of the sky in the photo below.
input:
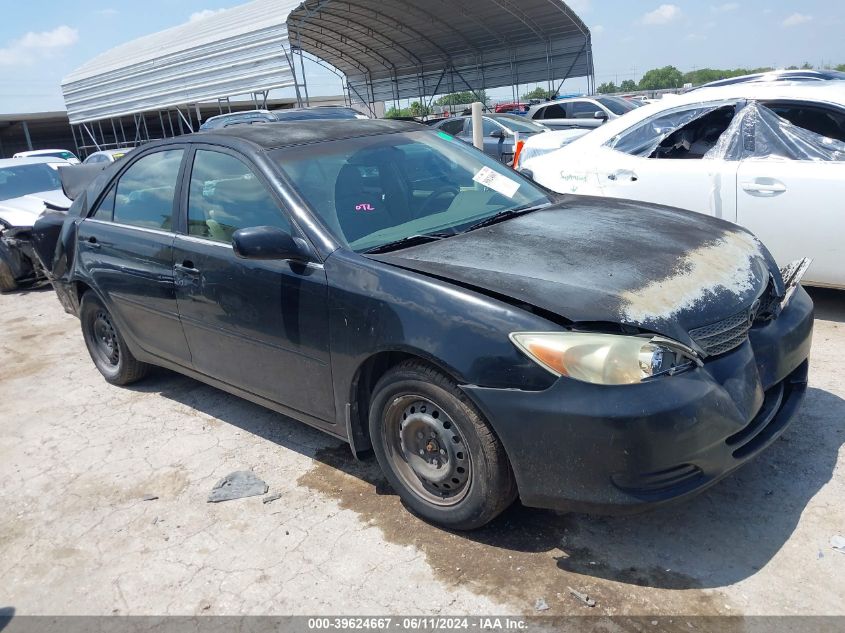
(41, 41)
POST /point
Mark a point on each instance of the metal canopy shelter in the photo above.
(387, 50)
(398, 49)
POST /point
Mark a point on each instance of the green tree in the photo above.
(395, 112)
(661, 78)
(462, 98)
(418, 109)
(607, 88)
(840, 68)
(629, 85)
(538, 93)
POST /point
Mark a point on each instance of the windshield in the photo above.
(516, 123)
(616, 105)
(375, 190)
(25, 179)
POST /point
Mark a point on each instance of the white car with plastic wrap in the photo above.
(770, 157)
(29, 188)
(542, 144)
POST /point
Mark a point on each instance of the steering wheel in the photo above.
(438, 193)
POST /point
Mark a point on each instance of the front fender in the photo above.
(377, 308)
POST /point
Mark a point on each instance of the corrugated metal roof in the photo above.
(233, 52)
(388, 49)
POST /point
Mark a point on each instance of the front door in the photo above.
(126, 248)
(704, 186)
(261, 326)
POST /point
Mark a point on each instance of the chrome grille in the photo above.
(721, 337)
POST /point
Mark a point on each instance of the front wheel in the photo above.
(436, 449)
(105, 344)
(7, 278)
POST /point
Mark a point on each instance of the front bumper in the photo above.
(611, 449)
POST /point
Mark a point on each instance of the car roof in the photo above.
(780, 75)
(818, 91)
(225, 115)
(31, 160)
(567, 99)
(274, 135)
(38, 152)
(314, 108)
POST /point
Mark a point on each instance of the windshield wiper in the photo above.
(405, 242)
(507, 214)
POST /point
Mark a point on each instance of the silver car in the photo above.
(583, 112)
(107, 156)
(499, 132)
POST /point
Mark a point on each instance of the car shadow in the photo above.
(38, 287)
(718, 538)
(6, 615)
(829, 303)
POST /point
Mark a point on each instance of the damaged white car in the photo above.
(770, 157)
(29, 188)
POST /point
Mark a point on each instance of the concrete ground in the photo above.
(78, 457)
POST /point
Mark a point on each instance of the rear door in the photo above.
(126, 251)
(797, 209)
(261, 326)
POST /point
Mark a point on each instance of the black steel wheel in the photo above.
(106, 345)
(436, 449)
(427, 450)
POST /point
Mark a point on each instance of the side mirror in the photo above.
(269, 242)
(600, 114)
(497, 134)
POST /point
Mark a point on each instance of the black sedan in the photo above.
(402, 291)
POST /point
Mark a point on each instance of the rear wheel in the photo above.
(105, 344)
(436, 449)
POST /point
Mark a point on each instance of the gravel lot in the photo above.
(78, 456)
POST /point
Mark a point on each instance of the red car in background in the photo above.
(514, 107)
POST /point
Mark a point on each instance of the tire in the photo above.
(436, 450)
(105, 344)
(7, 279)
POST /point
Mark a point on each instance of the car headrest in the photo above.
(350, 181)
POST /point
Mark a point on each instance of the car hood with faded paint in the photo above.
(597, 260)
(24, 211)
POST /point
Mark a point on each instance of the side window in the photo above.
(489, 127)
(144, 193)
(454, 127)
(105, 210)
(686, 133)
(818, 119)
(225, 196)
(555, 111)
(584, 110)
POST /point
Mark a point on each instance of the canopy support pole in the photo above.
(96, 144)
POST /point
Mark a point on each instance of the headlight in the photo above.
(604, 359)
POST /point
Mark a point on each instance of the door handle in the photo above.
(756, 187)
(187, 267)
(623, 174)
(93, 243)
